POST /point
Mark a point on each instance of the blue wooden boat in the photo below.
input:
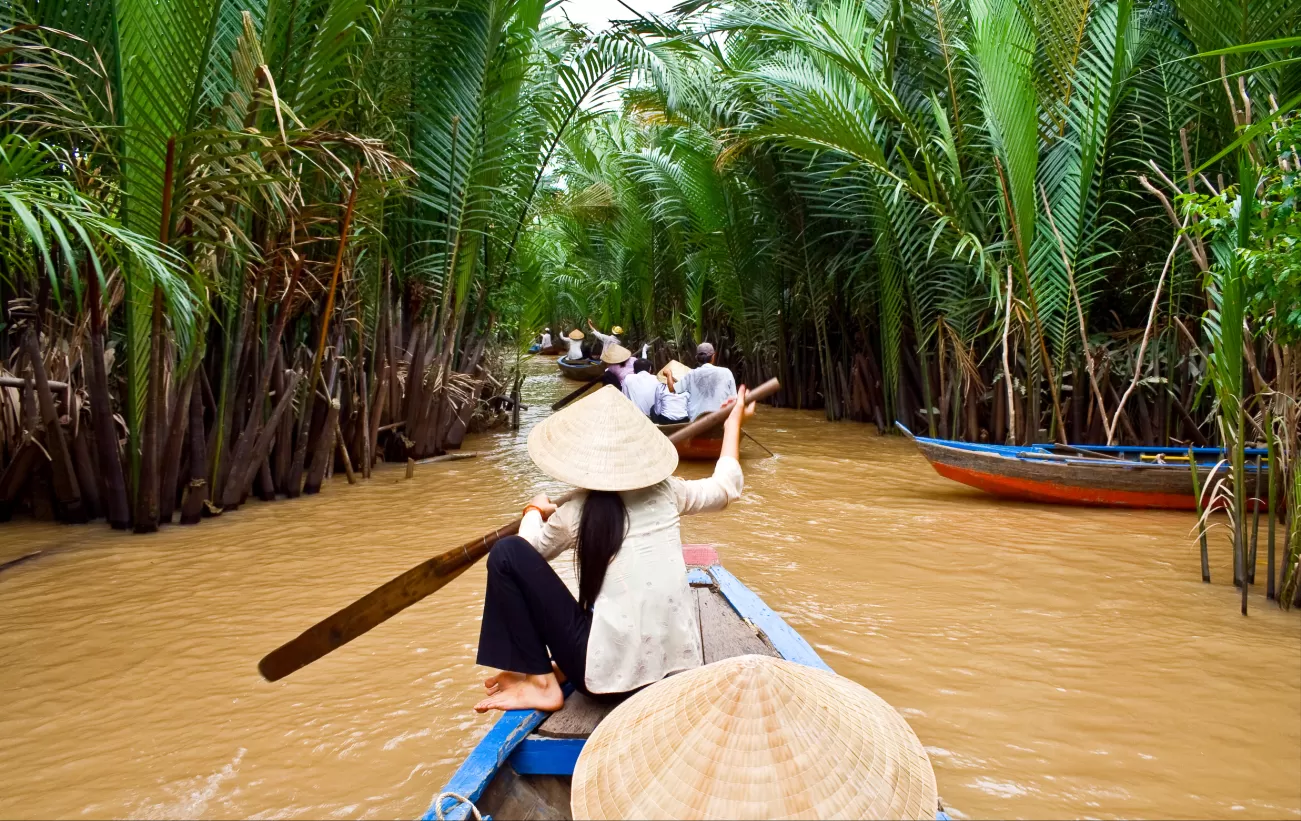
(522, 768)
(582, 370)
(1098, 475)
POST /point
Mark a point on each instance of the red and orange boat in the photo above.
(706, 448)
(1105, 476)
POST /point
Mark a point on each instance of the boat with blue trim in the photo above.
(582, 370)
(523, 767)
(1095, 475)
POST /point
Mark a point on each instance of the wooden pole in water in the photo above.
(1201, 523)
(1255, 526)
(430, 576)
(1273, 502)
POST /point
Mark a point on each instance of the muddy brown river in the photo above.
(1056, 663)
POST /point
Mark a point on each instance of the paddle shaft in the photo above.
(430, 576)
(571, 397)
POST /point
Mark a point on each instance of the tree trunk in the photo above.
(324, 450)
(146, 518)
(116, 506)
(66, 488)
(178, 430)
(196, 490)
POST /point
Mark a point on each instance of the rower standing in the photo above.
(607, 340)
(575, 346)
(708, 386)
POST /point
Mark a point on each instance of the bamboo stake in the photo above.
(1270, 592)
(1255, 526)
(1201, 523)
(343, 452)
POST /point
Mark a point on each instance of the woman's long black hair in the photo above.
(601, 529)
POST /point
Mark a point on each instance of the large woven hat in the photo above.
(674, 367)
(615, 354)
(754, 737)
(602, 442)
(575, 334)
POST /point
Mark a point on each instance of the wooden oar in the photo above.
(571, 397)
(396, 595)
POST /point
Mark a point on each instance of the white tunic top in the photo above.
(644, 623)
(575, 350)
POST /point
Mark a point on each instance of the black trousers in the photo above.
(528, 611)
(661, 419)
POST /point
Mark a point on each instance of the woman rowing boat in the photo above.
(632, 622)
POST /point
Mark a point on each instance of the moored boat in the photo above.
(523, 767)
(699, 448)
(1103, 476)
(582, 370)
(550, 350)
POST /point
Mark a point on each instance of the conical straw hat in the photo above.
(674, 367)
(575, 334)
(754, 737)
(602, 442)
(615, 354)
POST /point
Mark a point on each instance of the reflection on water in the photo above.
(1055, 662)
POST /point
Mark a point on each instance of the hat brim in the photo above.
(602, 442)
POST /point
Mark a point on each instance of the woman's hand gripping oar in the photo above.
(396, 595)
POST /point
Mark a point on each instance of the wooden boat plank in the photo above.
(723, 634)
(537, 755)
(577, 719)
(530, 798)
(789, 644)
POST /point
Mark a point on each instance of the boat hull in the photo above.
(705, 448)
(583, 371)
(1038, 474)
(523, 767)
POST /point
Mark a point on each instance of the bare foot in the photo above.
(532, 693)
(503, 678)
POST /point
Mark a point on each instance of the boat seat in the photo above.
(723, 635)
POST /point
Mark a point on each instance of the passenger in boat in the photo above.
(546, 338)
(632, 622)
(575, 346)
(619, 361)
(612, 338)
(708, 386)
(643, 389)
(673, 408)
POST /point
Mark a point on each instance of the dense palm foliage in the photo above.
(250, 234)
(985, 218)
(243, 241)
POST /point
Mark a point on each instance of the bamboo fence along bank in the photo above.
(244, 242)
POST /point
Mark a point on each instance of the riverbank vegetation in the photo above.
(243, 242)
(991, 220)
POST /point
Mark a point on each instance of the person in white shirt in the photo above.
(546, 338)
(612, 338)
(632, 622)
(708, 386)
(575, 340)
(643, 389)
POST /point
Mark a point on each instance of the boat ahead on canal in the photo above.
(583, 370)
(523, 767)
(707, 447)
(1105, 476)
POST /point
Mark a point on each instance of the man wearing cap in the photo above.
(607, 340)
(708, 387)
(575, 340)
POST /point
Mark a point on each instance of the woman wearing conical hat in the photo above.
(575, 339)
(632, 622)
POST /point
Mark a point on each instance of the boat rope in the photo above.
(460, 799)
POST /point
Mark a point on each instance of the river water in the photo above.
(1055, 662)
